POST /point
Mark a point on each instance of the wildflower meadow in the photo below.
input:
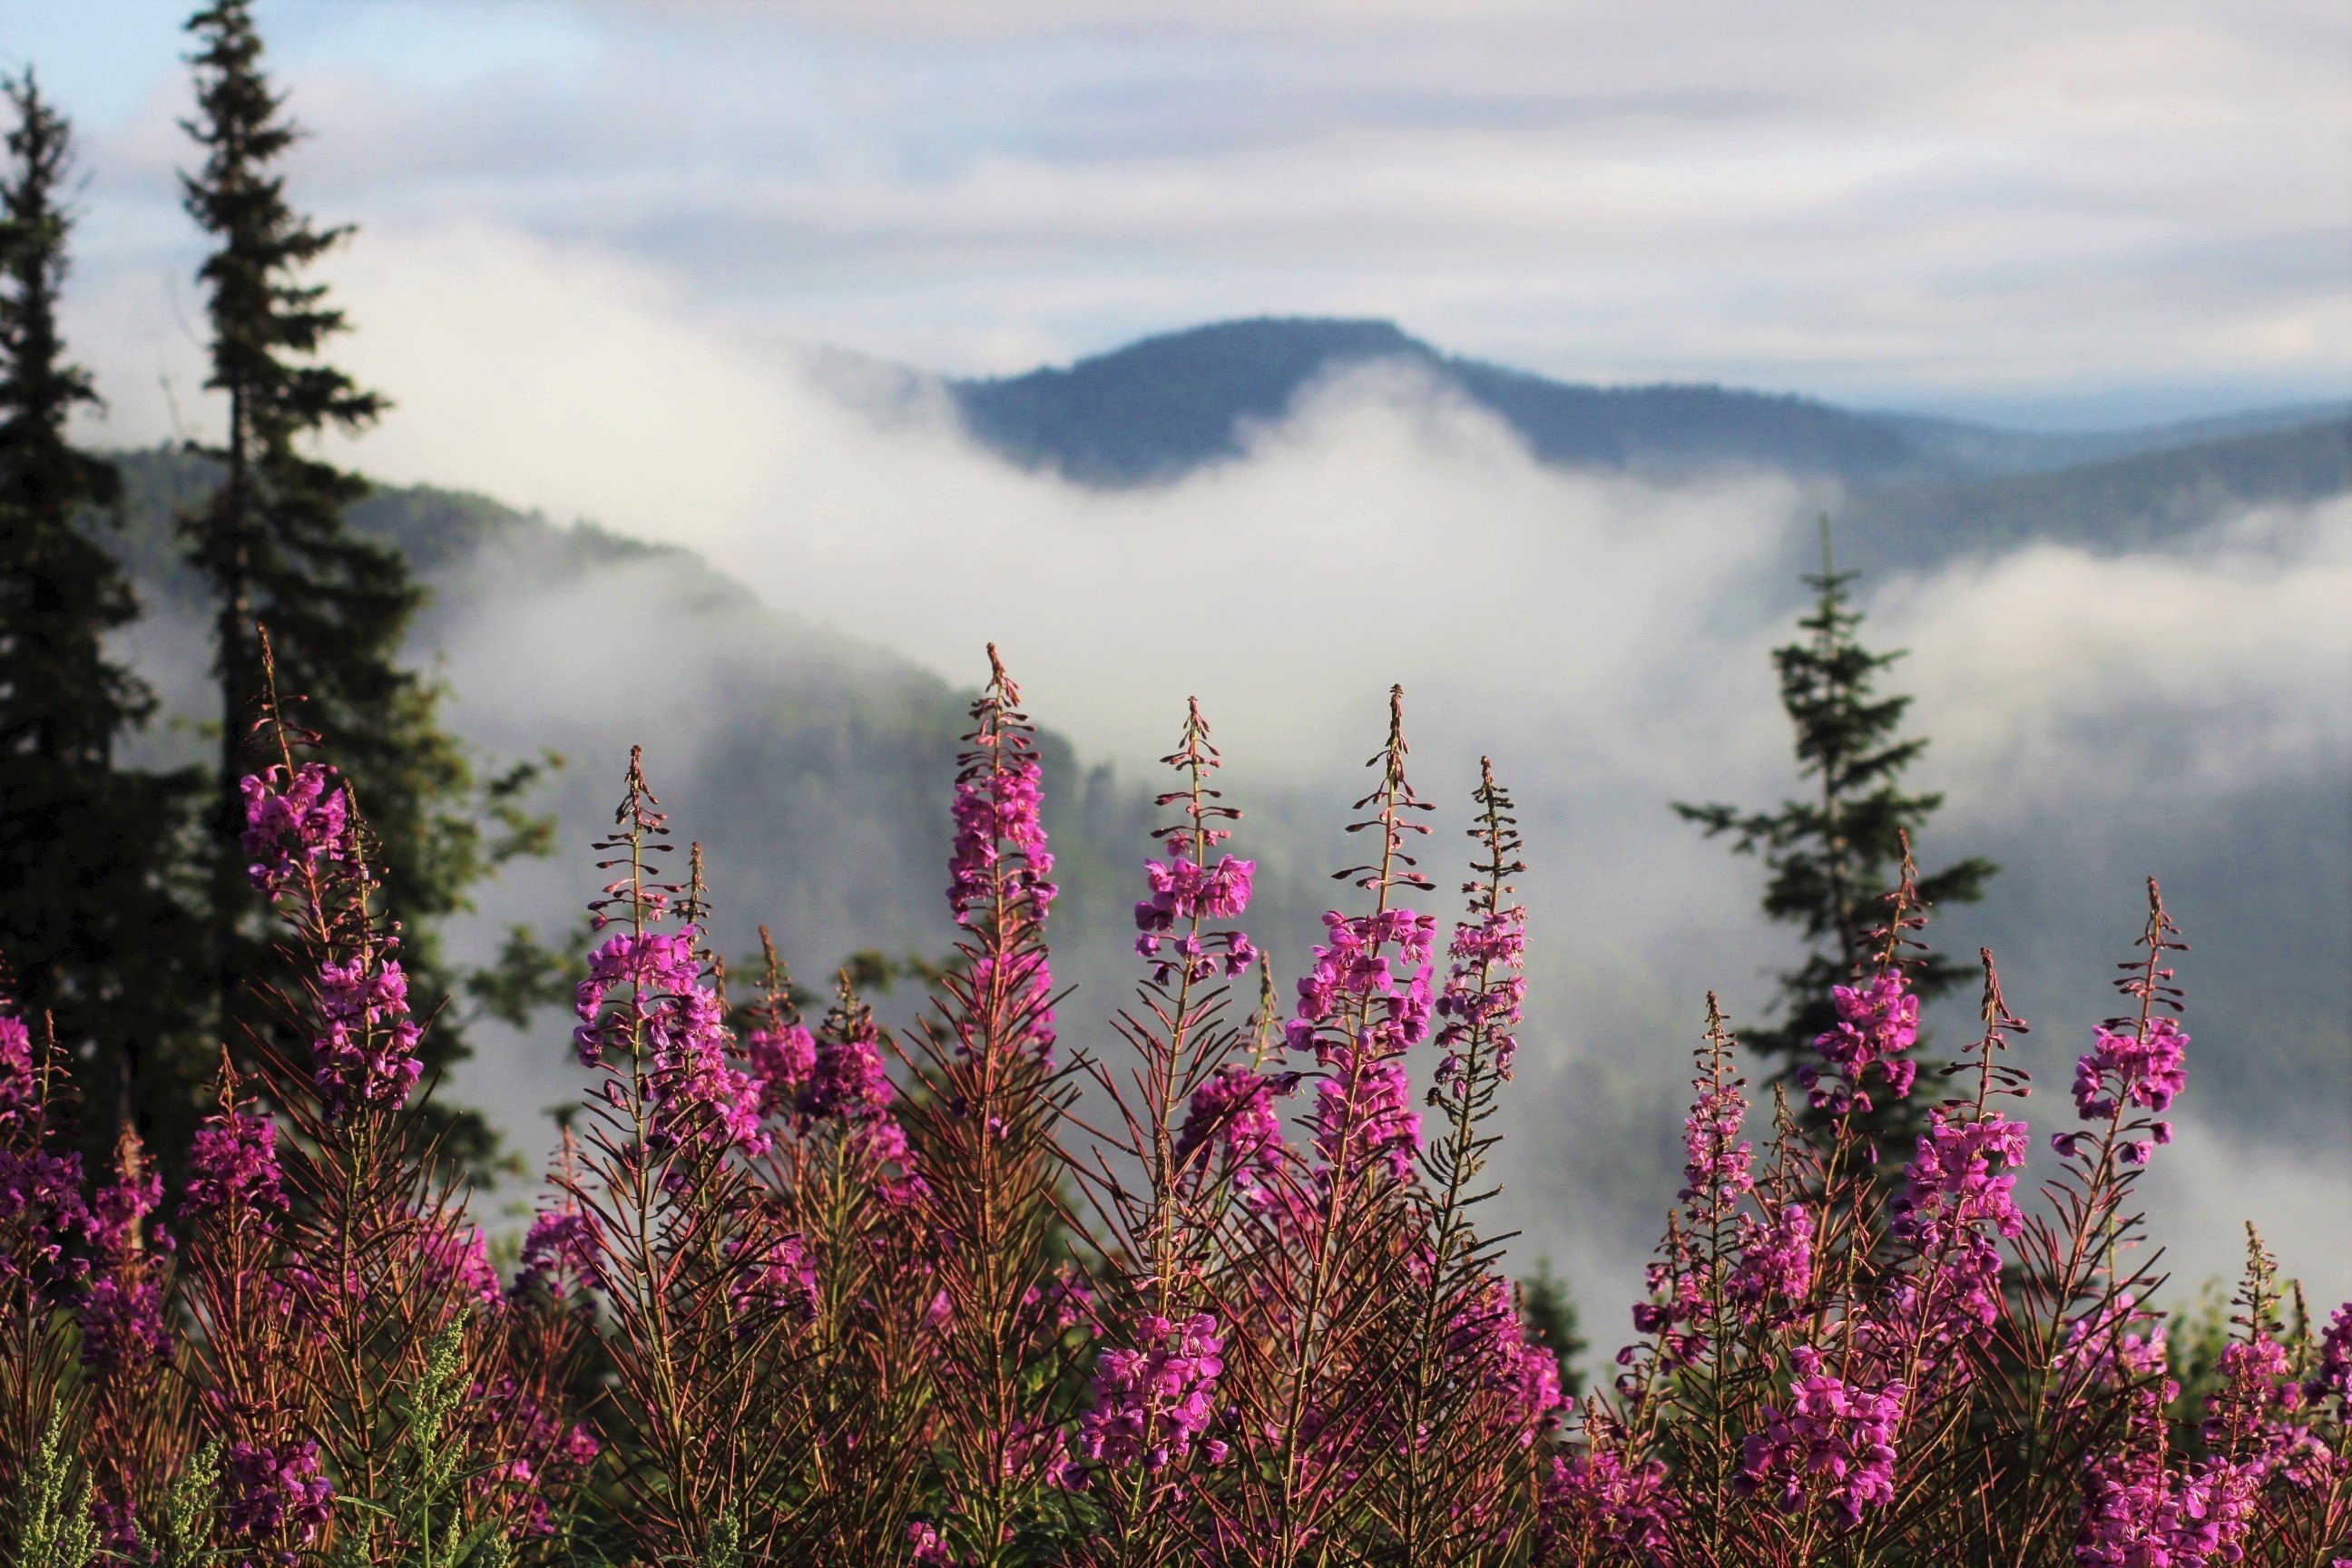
(1202, 1281)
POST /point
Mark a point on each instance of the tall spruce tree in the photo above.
(1834, 858)
(95, 922)
(274, 547)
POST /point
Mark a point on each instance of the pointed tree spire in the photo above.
(1836, 859)
(91, 925)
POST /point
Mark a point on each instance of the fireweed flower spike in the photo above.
(1339, 1229)
(989, 1098)
(1153, 1400)
(1473, 1397)
(696, 1272)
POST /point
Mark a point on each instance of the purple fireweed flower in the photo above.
(458, 1259)
(1028, 981)
(2137, 1514)
(367, 1057)
(644, 992)
(1776, 1257)
(546, 1455)
(1483, 989)
(1385, 1127)
(1716, 1158)
(2116, 1345)
(1832, 1443)
(2331, 1379)
(561, 1255)
(1600, 1497)
(849, 1080)
(994, 807)
(2126, 1067)
(1877, 1022)
(41, 1210)
(1234, 1113)
(1152, 1403)
(268, 1491)
(781, 1058)
(1496, 1340)
(293, 824)
(20, 1089)
(1352, 964)
(1952, 1183)
(1954, 1202)
(1183, 891)
(233, 1165)
(779, 1279)
(122, 1327)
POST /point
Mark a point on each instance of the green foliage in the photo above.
(87, 849)
(188, 1509)
(54, 1506)
(1834, 858)
(422, 1510)
(723, 1546)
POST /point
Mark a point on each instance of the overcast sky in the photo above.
(2044, 212)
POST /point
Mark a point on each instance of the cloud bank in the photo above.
(1604, 641)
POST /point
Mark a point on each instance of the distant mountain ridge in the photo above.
(1160, 407)
(1916, 488)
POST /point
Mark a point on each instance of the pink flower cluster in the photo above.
(1364, 1108)
(122, 1323)
(996, 807)
(367, 1057)
(457, 1257)
(848, 1080)
(1183, 894)
(1483, 989)
(1598, 1495)
(1715, 1159)
(1152, 1403)
(269, 1490)
(2128, 1065)
(561, 1255)
(1877, 1022)
(1776, 1258)
(232, 1165)
(1234, 1113)
(1183, 891)
(2331, 1379)
(293, 824)
(1352, 964)
(777, 1278)
(1832, 1443)
(780, 1057)
(20, 1089)
(2137, 1514)
(548, 1454)
(669, 1015)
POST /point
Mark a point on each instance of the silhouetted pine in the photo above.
(1835, 857)
(89, 896)
(273, 545)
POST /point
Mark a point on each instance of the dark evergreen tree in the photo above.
(1835, 857)
(94, 923)
(274, 547)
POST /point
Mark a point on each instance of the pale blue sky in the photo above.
(2041, 211)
